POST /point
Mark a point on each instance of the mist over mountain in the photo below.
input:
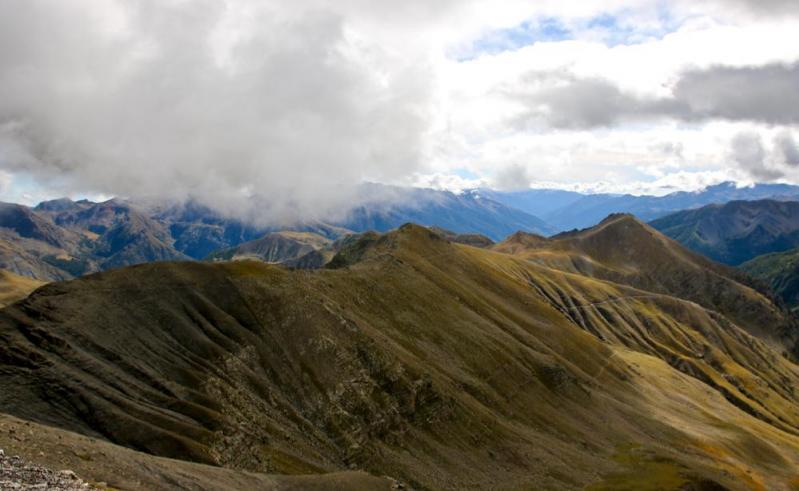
(61, 238)
(468, 212)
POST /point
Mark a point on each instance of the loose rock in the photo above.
(16, 473)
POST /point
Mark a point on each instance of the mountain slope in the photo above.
(31, 258)
(780, 270)
(122, 468)
(275, 247)
(623, 250)
(30, 225)
(737, 231)
(439, 364)
(538, 202)
(476, 240)
(14, 287)
(461, 213)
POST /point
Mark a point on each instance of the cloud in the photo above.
(786, 149)
(749, 153)
(568, 102)
(764, 94)
(218, 101)
(674, 150)
(765, 7)
(512, 178)
(278, 110)
(446, 182)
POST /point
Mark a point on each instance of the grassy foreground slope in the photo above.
(438, 364)
(113, 467)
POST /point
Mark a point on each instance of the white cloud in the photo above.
(622, 87)
(296, 103)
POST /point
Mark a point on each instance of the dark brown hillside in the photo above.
(439, 364)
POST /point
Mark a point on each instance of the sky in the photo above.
(291, 105)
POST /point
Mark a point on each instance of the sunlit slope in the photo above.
(14, 287)
(623, 250)
(694, 340)
(439, 364)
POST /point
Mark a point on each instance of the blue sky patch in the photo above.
(611, 29)
(465, 173)
(545, 29)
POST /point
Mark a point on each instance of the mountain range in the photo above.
(737, 231)
(468, 212)
(610, 358)
(62, 239)
(567, 210)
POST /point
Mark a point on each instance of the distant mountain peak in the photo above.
(58, 204)
(526, 238)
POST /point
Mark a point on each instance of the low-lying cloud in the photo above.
(217, 101)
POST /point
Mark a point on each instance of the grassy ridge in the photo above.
(439, 364)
